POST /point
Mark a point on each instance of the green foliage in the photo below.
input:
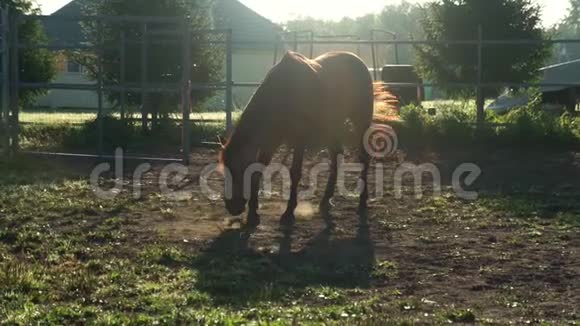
(36, 65)
(451, 126)
(165, 60)
(454, 125)
(531, 124)
(569, 28)
(500, 20)
(399, 18)
(402, 19)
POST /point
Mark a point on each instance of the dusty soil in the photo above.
(512, 255)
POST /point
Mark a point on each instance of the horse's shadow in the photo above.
(232, 272)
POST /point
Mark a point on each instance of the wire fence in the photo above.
(124, 111)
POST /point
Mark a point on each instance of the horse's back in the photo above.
(348, 87)
(305, 100)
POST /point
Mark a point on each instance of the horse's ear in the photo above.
(222, 142)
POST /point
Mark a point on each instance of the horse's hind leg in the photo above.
(361, 128)
(335, 151)
(365, 159)
(295, 174)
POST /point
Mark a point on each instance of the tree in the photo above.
(36, 65)
(500, 20)
(400, 18)
(569, 28)
(165, 61)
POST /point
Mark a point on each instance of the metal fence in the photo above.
(178, 31)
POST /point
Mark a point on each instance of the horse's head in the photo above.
(294, 72)
(234, 163)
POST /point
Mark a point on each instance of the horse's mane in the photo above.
(291, 63)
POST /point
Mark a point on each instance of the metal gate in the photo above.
(98, 131)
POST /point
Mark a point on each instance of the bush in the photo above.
(452, 125)
(455, 126)
(533, 126)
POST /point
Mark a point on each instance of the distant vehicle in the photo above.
(404, 74)
(555, 97)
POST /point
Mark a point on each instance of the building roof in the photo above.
(562, 73)
(246, 24)
(66, 31)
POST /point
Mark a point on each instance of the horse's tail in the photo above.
(386, 104)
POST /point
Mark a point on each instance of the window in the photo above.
(73, 67)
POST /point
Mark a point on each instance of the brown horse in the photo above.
(300, 102)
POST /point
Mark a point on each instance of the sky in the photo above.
(283, 10)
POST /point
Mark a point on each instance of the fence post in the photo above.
(276, 44)
(144, 74)
(5, 113)
(186, 91)
(14, 121)
(229, 83)
(396, 38)
(123, 76)
(374, 55)
(480, 94)
(311, 44)
(100, 113)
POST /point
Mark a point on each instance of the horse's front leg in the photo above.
(253, 205)
(264, 158)
(295, 175)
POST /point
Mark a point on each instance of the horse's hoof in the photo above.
(288, 220)
(253, 221)
(363, 209)
(325, 207)
(330, 224)
(363, 213)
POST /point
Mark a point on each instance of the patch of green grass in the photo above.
(80, 116)
(385, 270)
(64, 136)
(162, 255)
(466, 316)
(565, 210)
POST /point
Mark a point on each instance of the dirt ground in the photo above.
(512, 255)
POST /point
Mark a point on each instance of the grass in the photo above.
(70, 258)
(166, 139)
(76, 131)
(60, 116)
